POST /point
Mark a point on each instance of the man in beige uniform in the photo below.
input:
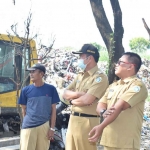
(83, 95)
(122, 127)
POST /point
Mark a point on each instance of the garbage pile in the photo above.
(145, 134)
(144, 73)
(61, 68)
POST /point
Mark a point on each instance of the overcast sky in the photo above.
(72, 21)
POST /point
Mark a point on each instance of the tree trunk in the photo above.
(112, 39)
(146, 27)
(102, 21)
(118, 49)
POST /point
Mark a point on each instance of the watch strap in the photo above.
(102, 112)
(70, 102)
(52, 129)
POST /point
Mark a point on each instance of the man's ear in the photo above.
(42, 74)
(131, 67)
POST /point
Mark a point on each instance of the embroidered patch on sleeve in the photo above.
(98, 79)
(136, 88)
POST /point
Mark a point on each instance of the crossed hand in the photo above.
(96, 132)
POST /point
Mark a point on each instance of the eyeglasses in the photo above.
(119, 62)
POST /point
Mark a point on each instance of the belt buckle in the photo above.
(73, 113)
(79, 114)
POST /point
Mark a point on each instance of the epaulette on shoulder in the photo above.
(80, 72)
(99, 72)
(138, 81)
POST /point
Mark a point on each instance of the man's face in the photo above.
(36, 75)
(123, 66)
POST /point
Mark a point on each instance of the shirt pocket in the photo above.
(120, 93)
(83, 86)
(86, 86)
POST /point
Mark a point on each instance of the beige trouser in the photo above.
(35, 138)
(77, 133)
(112, 148)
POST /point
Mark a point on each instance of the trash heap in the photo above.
(144, 73)
(145, 134)
(61, 69)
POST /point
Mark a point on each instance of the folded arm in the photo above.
(84, 100)
(69, 94)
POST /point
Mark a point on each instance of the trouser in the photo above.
(35, 138)
(112, 148)
(77, 133)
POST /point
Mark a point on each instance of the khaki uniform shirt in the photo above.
(93, 82)
(125, 131)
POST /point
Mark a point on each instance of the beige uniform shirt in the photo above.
(125, 131)
(93, 82)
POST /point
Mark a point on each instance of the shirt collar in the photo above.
(93, 70)
(126, 80)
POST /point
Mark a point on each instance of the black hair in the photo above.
(135, 59)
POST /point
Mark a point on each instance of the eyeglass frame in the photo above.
(119, 61)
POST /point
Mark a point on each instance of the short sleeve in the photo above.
(136, 93)
(98, 86)
(104, 98)
(55, 98)
(23, 98)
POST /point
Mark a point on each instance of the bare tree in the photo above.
(112, 38)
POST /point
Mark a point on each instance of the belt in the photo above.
(83, 115)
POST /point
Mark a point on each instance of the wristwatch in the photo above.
(102, 111)
(101, 115)
(70, 102)
(53, 129)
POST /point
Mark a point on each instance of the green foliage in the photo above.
(139, 44)
(144, 55)
(99, 47)
(104, 56)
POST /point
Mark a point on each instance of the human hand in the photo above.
(90, 104)
(50, 134)
(109, 112)
(95, 133)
